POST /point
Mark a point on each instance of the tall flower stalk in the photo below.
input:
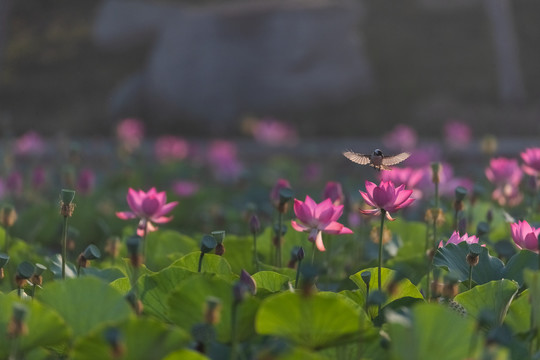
(66, 210)
(386, 198)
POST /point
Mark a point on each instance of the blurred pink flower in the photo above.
(506, 175)
(385, 197)
(456, 239)
(525, 236)
(14, 183)
(531, 158)
(30, 144)
(334, 192)
(274, 193)
(39, 177)
(185, 188)
(170, 148)
(149, 207)
(407, 176)
(86, 181)
(318, 218)
(401, 138)
(447, 182)
(457, 134)
(223, 159)
(424, 156)
(130, 133)
(274, 132)
(312, 172)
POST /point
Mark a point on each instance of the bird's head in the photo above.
(377, 152)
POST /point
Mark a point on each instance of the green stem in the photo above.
(134, 278)
(78, 270)
(200, 262)
(278, 246)
(298, 274)
(145, 231)
(13, 355)
(428, 275)
(383, 215)
(255, 257)
(470, 277)
(313, 254)
(234, 340)
(6, 240)
(64, 247)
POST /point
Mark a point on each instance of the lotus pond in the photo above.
(178, 249)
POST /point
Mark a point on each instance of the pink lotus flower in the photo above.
(447, 182)
(456, 239)
(273, 132)
(222, 157)
(385, 198)
(525, 236)
(531, 158)
(506, 175)
(149, 207)
(170, 148)
(318, 218)
(401, 138)
(130, 132)
(185, 188)
(334, 192)
(31, 143)
(457, 134)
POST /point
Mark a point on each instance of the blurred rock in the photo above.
(213, 64)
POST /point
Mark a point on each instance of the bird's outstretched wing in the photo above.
(395, 159)
(357, 158)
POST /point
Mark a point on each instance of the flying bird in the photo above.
(376, 160)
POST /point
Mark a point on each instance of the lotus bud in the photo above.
(208, 243)
(473, 257)
(66, 202)
(219, 236)
(8, 215)
(133, 244)
(24, 272)
(212, 310)
(248, 280)
(334, 192)
(90, 253)
(274, 194)
(239, 292)
(285, 194)
(297, 254)
(16, 325)
(254, 224)
(37, 278)
(114, 338)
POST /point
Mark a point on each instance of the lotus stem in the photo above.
(255, 257)
(200, 261)
(6, 240)
(379, 280)
(234, 340)
(428, 275)
(313, 254)
(470, 277)
(64, 246)
(297, 274)
(145, 231)
(278, 245)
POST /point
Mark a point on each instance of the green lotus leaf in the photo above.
(45, 326)
(413, 237)
(532, 279)
(317, 321)
(108, 275)
(122, 285)
(523, 259)
(270, 282)
(85, 303)
(403, 289)
(494, 296)
(142, 338)
(185, 354)
(211, 263)
(186, 304)
(163, 247)
(519, 313)
(155, 289)
(428, 330)
(453, 258)
(239, 253)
